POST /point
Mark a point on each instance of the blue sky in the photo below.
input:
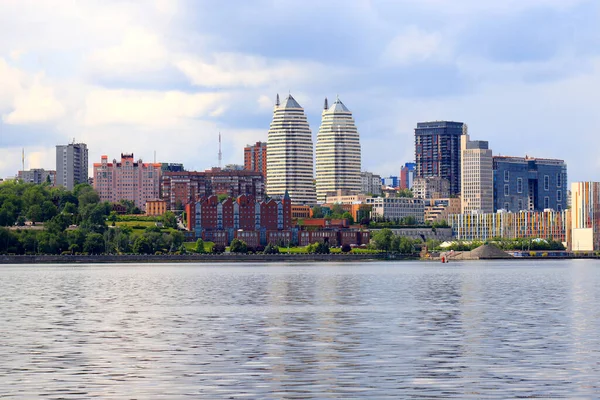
(168, 76)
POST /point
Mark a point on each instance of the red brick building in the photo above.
(180, 188)
(255, 158)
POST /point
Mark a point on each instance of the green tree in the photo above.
(317, 212)
(49, 210)
(177, 239)
(94, 243)
(405, 193)
(238, 246)
(169, 220)
(382, 239)
(142, 245)
(35, 213)
(348, 216)
(199, 248)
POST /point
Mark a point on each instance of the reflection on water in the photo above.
(473, 330)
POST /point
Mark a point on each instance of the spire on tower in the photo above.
(326, 106)
(277, 101)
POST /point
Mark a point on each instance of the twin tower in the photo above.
(290, 153)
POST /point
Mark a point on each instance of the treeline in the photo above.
(74, 222)
(385, 240)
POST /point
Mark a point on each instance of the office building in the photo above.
(477, 180)
(397, 208)
(38, 176)
(391, 181)
(370, 183)
(439, 210)
(407, 175)
(71, 165)
(431, 187)
(290, 160)
(255, 157)
(585, 216)
(171, 167)
(337, 152)
(437, 151)
(127, 179)
(528, 183)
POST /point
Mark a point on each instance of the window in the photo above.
(506, 190)
(558, 195)
(520, 204)
(546, 182)
(506, 176)
(558, 180)
(519, 185)
(546, 202)
(507, 206)
(558, 208)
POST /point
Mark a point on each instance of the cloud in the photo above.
(149, 108)
(411, 46)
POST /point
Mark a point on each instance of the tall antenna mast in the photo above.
(23, 159)
(220, 153)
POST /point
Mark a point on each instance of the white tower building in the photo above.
(477, 179)
(290, 160)
(338, 152)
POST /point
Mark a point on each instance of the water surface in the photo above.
(382, 329)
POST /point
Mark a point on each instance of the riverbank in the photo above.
(195, 258)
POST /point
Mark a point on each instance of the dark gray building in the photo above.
(437, 151)
(71, 165)
(534, 184)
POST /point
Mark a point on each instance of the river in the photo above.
(492, 329)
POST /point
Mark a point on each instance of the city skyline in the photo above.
(519, 72)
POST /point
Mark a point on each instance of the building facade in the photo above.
(438, 210)
(407, 175)
(431, 187)
(208, 216)
(391, 181)
(127, 179)
(585, 216)
(477, 177)
(396, 208)
(71, 165)
(171, 167)
(530, 184)
(255, 158)
(508, 225)
(338, 158)
(156, 207)
(180, 188)
(38, 176)
(290, 160)
(437, 151)
(370, 183)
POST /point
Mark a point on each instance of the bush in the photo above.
(271, 249)
(346, 248)
(238, 246)
(218, 249)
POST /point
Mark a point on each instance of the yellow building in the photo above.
(156, 207)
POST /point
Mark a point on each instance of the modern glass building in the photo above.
(337, 152)
(290, 162)
(530, 184)
(437, 151)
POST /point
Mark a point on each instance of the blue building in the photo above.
(534, 184)
(391, 181)
(437, 151)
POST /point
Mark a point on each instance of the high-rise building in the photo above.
(437, 151)
(530, 184)
(290, 154)
(172, 167)
(407, 175)
(370, 183)
(337, 152)
(38, 176)
(476, 177)
(127, 180)
(255, 157)
(585, 216)
(71, 165)
(391, 181)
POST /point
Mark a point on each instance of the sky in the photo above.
(167, 76)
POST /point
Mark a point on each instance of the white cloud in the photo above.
(411, 46)
(147, 108)
(235, 69)
(35, 104)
